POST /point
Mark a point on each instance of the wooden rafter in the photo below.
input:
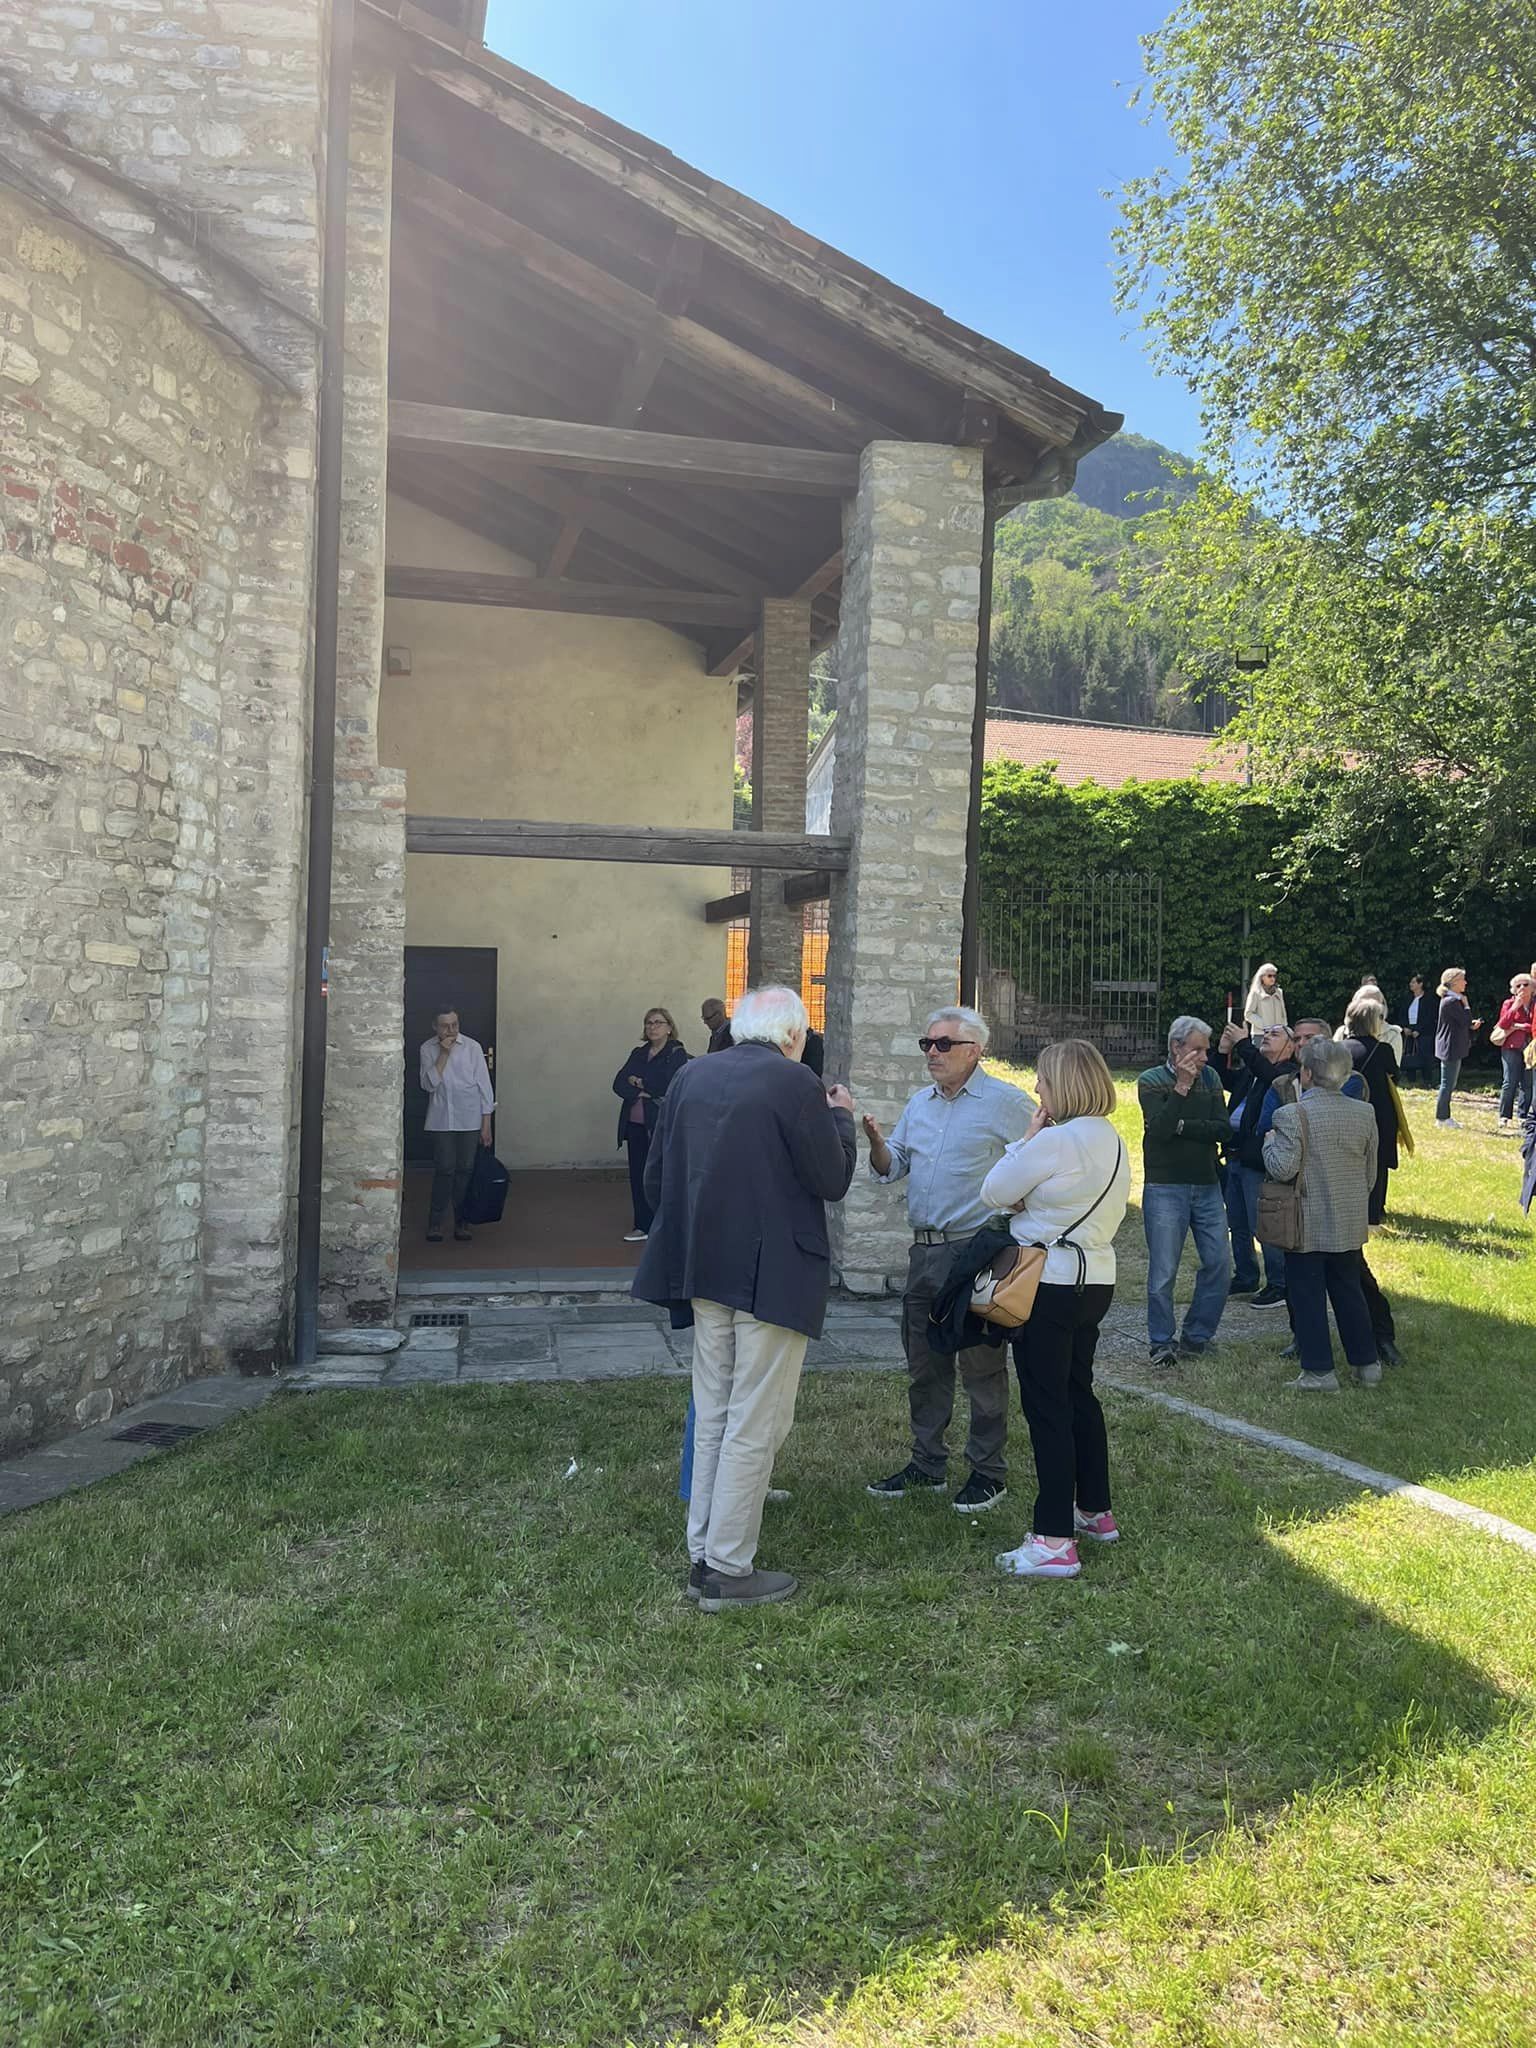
(618, 451)
(613, 303)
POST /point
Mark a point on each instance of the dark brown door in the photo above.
(461, 978)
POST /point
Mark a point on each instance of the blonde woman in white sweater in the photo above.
(1066, 1181)
(1265, 1006)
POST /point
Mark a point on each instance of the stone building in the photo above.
(619, 446)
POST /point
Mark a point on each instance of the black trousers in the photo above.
(453, 1159)
(1053, 1355)
(637, 1140)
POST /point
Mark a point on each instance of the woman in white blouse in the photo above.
(1067, 1181)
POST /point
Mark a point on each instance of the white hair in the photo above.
(1182, 1029)
(973, 1021)
(1328, 1062)
(768, 1016)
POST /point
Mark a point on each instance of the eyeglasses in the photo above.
(942, 1044)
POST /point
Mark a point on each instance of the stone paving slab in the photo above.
(92, 1454)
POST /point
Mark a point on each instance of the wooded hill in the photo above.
(1061, 641)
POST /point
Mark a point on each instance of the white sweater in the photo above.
(1057, 1175)
(1262, 1012)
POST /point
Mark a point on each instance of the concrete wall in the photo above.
(536, 715)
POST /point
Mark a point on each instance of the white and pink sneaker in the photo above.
(1101, 1528)
(1040, 1558)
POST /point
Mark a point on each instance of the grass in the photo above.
(359, 1723)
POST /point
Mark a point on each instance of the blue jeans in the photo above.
(1251, 1179)
(1168, 1215)
(1450, 1074)
(1313, 1280)
(1245, 1266)
(1517, 1082)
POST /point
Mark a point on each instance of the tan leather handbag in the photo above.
(1004, 1292)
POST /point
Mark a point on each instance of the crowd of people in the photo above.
(1270, 1143)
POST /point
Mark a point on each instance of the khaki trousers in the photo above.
(982, 1370)
(745, 1378)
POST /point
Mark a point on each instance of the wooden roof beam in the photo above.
(619, 451)
(820, 580)
(541, 839)
(550, 594)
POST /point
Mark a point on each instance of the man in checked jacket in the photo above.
(1336, 1177)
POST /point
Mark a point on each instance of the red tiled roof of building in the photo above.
(1110, 754)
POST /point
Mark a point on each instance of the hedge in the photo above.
(1219, 849)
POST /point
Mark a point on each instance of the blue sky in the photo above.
(963, 147)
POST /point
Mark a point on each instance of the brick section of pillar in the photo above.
(780, 715)
(906, 665)
(360, 1216)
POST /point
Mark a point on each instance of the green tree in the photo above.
(1344, 266)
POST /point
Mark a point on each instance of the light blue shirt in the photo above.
(945, 1146)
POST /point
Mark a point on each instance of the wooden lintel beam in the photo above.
(728, 909)
(537, 839)
(630, 531)
(820, 580)
(623, 451)
(555, 594)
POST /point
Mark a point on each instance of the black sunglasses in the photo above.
(942, 1044)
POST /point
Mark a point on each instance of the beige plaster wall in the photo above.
(539, 715)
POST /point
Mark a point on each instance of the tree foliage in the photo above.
(1344, 266)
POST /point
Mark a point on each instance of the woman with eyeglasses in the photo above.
(1066, 1183)
(640, 1083)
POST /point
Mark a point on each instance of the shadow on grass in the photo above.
(415, 1724)
(1489, 1239)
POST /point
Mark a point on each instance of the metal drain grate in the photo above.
(440, 1319)
(162, 1433)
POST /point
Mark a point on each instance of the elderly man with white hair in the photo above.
(949, 1137)
(1184, 1120)
(748, 1150)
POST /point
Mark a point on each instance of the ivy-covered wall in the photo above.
(1220, 849)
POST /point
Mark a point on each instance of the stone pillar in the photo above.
(360, 1215)
(906, 664)
(780, 714)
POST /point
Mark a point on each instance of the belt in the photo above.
(940, 1236)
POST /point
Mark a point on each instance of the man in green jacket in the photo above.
(1184, 1116)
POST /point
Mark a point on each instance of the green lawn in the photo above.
(359, 1723)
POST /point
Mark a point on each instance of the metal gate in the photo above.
(1075, 959)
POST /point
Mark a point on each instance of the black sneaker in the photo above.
(1189, 1350)
(1269, 1297)
(1245, 1287)
(718, 1592)
(1292, 1350)
(910, 1479)
(1161, 1356)
(977, 1495)
(695, 1580)
(1388, 1352)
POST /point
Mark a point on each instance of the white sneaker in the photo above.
(1036, 1560)
(635, 1236)
(1446, 1123)
(1506, 1123)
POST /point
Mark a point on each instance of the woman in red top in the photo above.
(1515, 1021)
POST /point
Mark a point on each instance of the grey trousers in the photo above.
(931, 1378)
(453, 1159)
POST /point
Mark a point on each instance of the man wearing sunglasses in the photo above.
(949, 1137)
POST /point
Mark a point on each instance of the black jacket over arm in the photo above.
(658, 1075)
(745, 1157)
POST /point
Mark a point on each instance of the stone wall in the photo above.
(127, 445)
(906, 666)
(153, 833)
(360, 1218)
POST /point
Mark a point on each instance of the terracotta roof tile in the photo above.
(1110, 754)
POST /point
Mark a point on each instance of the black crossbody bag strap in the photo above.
(1064, 1242)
